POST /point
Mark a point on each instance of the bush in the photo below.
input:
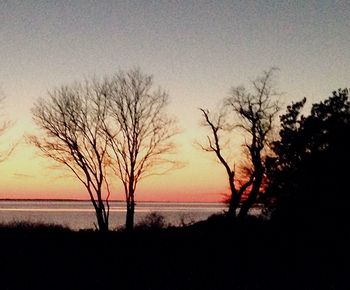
(153, 220)
(29, 226)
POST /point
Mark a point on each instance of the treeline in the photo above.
(118, 128)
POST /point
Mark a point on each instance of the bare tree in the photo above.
(140, 132)
(70, 119)
(217, 125)
(251, 114)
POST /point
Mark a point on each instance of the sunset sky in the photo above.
(196, 50)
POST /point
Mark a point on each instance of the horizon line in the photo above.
(112, 200)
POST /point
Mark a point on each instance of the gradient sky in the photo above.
(196, 50)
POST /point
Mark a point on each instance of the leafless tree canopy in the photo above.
(71, 118)
(253, 113)
(255, 110)
(118, 123)
(140, 132)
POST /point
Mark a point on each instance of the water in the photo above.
(80, 214)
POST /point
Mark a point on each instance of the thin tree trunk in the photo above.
(130, 211)
(249, 202)
(102, 222)
(233, 199)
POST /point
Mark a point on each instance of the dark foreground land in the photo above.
(215, 254)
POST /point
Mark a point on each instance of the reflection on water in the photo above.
(80, 214)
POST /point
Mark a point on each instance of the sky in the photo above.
(196, 50)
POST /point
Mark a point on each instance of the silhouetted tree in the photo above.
(309, 176)
(139, 131)
(70, 119)
(250, 114)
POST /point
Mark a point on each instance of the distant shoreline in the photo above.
(114, 200)
(47, 199)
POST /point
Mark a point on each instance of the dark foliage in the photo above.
(310, 176)
(153, 220)
(199, 256)
(25, 226)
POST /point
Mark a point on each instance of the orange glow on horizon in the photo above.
(28, 176)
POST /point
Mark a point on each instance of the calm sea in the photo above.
(80, 214)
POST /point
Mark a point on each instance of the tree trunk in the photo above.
(233, 204)
(102, 222)
(130, 210)
(252, 196)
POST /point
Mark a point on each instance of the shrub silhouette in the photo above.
(28, 226)
(153, 220)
